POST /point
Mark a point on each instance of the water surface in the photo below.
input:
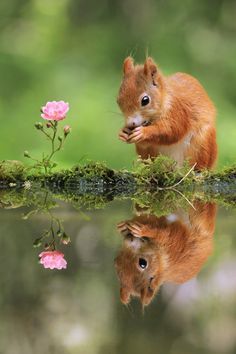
(79, 310)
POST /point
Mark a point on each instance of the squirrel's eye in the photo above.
(145, 100)
(142, 263)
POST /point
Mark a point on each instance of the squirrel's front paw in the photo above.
(122, 227)
(140, 230)
(124, 134)
(137, 135)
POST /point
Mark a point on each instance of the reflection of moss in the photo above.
(38, 198)
(158, 202)
(224, 199)
(10, 199)
(89, 201)
(162, 202)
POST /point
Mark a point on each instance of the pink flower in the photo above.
(55, 110)
(53, 260)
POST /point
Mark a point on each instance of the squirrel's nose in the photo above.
(134, 121)
(133, 125)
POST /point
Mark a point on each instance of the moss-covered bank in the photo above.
(157, 185)
(159, 174)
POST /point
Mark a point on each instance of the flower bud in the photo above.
(26, 154)
(48, 125)
(65, 239)
(38, 126)
(46, 246)
(67, 130)
(59, 233)
(37, 242)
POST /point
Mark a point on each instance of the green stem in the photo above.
(60, 146)
(45, 133)
(45, 163)
(54, 127)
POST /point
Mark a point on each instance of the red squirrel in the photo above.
(163, 249)
(170, 115)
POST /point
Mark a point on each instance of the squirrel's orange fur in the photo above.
(174, 248)
(178, 121)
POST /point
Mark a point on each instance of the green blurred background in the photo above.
(74, 49)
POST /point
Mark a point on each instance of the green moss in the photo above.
(157, 185)
(161, 172)
(92, 169)
(12, 170)
(227, 174)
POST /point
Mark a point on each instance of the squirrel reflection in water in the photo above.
(163, 249)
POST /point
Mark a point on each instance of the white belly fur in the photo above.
(176, 151)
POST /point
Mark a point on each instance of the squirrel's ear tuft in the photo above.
(146, 296)
(150, 70)
(124, 296)
(128, 65)
(150, 67)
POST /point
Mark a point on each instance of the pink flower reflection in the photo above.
(53, 260)
(55, 110)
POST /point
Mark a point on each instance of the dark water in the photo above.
(78, 309)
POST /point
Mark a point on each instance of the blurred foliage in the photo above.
(73, 50)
